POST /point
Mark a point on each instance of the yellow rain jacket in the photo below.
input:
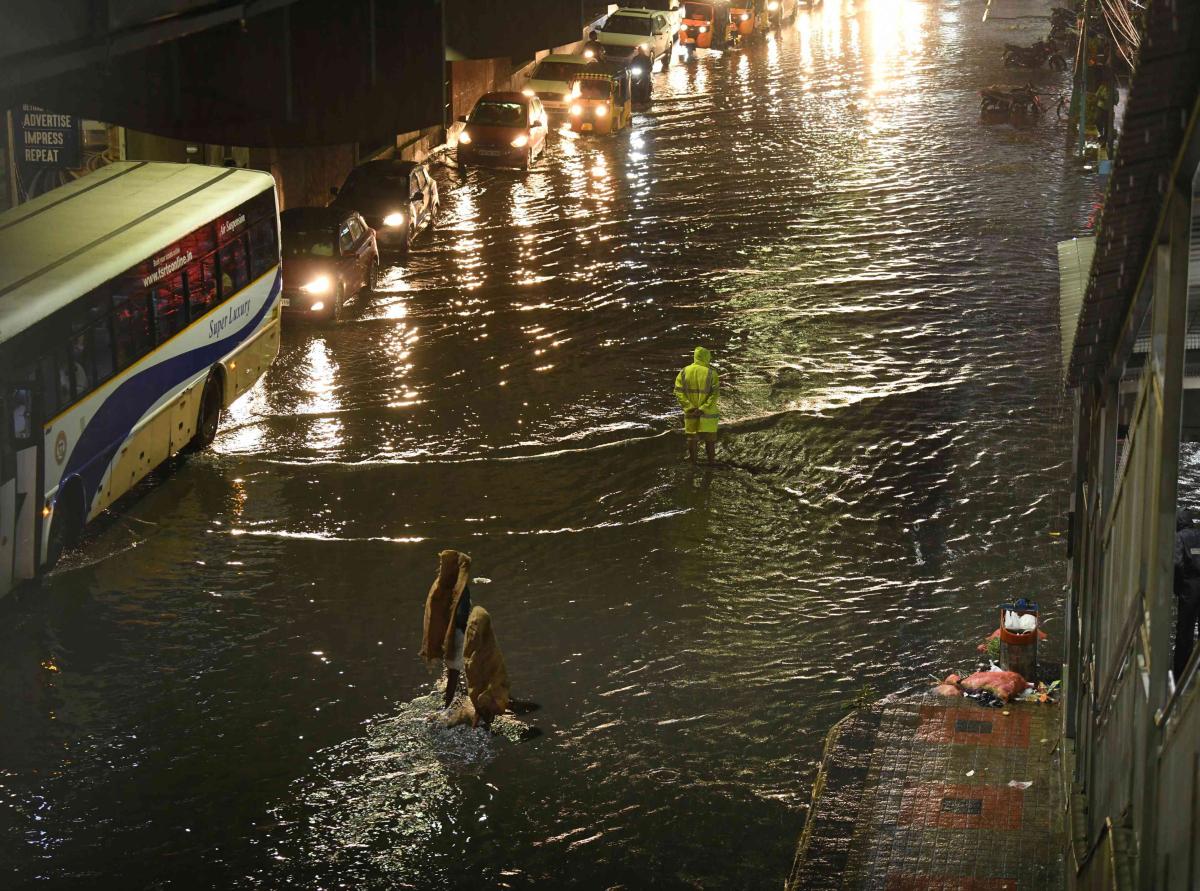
(454, 571)
(697, 387)
(487, 678)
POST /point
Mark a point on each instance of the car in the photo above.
(397, 199)
(672, 9)
(504, 129)
(551, 80)
(626, 29)
(329, 255)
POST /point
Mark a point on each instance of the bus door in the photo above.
(8, 499)
(20, 519)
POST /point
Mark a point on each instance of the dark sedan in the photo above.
(397, 198)
(329, 255)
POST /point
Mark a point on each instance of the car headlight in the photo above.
(521, 141)
(577, 109)
(394, 219)
(317, 307)
(527, 92)
(773, 5)
(745, 16)
(319, 285)
(464, 138)
(703, 29)
(601, 110)
(589, 54)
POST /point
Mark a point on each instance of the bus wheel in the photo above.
(66, 525)
(210, 414)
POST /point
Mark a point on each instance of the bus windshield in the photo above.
(317, 243)
(629, 24)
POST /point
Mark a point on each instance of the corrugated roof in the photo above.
(1160, 104)
(1074, 262)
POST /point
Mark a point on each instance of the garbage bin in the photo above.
(1018, 639)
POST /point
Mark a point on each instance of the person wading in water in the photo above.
(697, 388)
(447, 610)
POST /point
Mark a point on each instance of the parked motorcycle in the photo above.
(1041, 53)
(1010, 99)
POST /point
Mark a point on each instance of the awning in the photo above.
(1074, 264)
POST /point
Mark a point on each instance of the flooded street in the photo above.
(223, 687)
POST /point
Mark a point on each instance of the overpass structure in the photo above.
(274, 75)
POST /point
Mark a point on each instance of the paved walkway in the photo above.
(931, 794)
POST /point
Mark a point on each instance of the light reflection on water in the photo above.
(874, 270)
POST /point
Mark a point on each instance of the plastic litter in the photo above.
(1019, 624)
(1020, 784)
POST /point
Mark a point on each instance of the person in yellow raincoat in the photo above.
(447, 609)
(697, 389)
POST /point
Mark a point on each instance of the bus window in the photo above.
(170, 307)
(131, 327)
(234, 273)
(20, 406)
(100, 333)
(81, 364)
(202, 286)
(56, 379)
(47, 377)
(264, 251)
(199, 242)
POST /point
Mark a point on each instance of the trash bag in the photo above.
(1002, 684)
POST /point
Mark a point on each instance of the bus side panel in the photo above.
(184, 412)
(8, 533)
(248, 363)
(98, 499)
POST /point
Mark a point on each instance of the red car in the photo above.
(503, 130)
(329, 256)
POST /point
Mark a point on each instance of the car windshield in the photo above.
(504, 114)
(697, 11)
(628, 24)
(563, 71)
(594, 89)
(308, 243)
(369, 185)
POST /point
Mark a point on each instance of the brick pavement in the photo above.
(937, 795)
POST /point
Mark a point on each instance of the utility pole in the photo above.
(1081, 80)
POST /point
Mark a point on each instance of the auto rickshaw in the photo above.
(748, 18)
(601, 99)
(704, 26)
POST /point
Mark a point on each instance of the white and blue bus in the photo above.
(136, 303)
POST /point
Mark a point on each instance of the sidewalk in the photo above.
(930, 793)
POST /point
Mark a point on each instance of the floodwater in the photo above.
(223, 688)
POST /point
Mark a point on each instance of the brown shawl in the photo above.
(487, 678)
(453, 574)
